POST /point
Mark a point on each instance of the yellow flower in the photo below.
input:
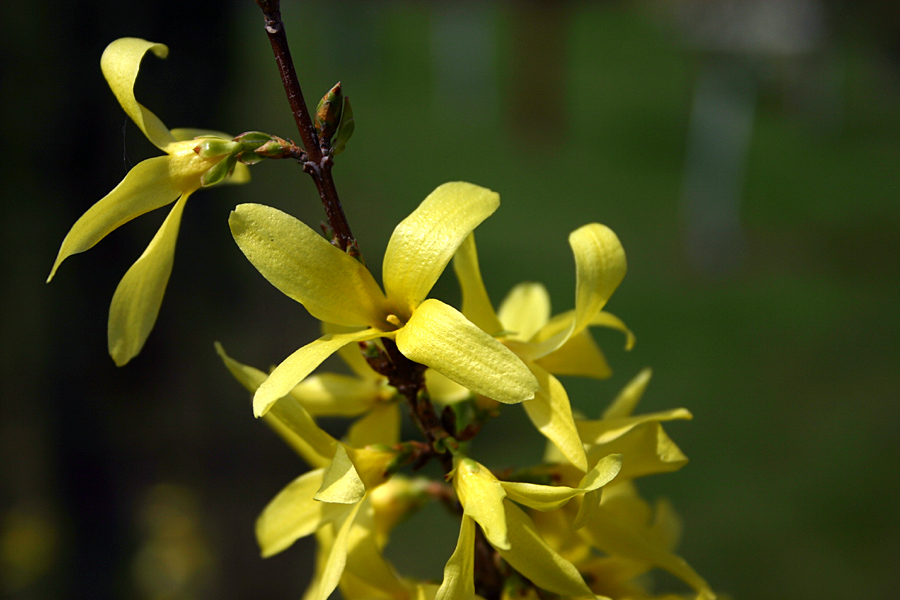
(151, 184)
(619, 523)
(336, 288)
(560, 345)
(332, 394)
(487, 502)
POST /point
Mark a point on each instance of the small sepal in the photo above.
(219, 171)
(346, 128)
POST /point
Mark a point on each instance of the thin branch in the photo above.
(318, 163)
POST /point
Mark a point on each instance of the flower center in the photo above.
(394, 320)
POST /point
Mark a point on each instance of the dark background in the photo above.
(746, 153)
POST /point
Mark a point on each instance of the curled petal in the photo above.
(550, 497)
(476, 304)
(525, 310)
(459, 572)
(482, 496)
(333, 286)
(600, 267)
(120, 63)
(551, 413)
(146, 187)
(439, 337)
(139, 295)
(341, 484)
(301, 363)
(424, 242)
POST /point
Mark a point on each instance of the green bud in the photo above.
(214, 147)
(273, 149)
(249, 157)
(346, 128)
(328, 112)
(218, 171)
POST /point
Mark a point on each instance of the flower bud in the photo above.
(328, 112)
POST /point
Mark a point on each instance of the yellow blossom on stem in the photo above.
(336, 288)
(151, 184)
(560, 345)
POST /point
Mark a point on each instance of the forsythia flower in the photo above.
(619, 523)
(336, 288)
(487, 502)
(559, 345)
(151, 184)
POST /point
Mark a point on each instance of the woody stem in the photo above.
(318, 163)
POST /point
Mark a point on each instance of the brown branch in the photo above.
(318, 163)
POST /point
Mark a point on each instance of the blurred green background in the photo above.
(746, 153)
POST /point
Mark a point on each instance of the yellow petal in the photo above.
(120, 64)
(333, 286)
(550, 497)
(146, 187)
(481, 496)
(630, 395)
(443, 390)
(291, 515)
(300, 364)
(337, 557)
(551, 413)
(336, 395)
(459, 572)
(424, 242)
(599, 269)
(288, 418)
(622, 537)
(579, 356)
(139, 295)
(367, 574)
(380, 426)
(438, 336)
(341, 484)
(647, 450)
(476, 304)
(530, 555)
(603, 431)
(605, 319)
(525, 310)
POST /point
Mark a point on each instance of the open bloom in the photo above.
(486, 501)
(633, 536)
(560, 345)
(151, 184)
(336, 288)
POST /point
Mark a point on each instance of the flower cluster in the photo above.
(574, 526)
